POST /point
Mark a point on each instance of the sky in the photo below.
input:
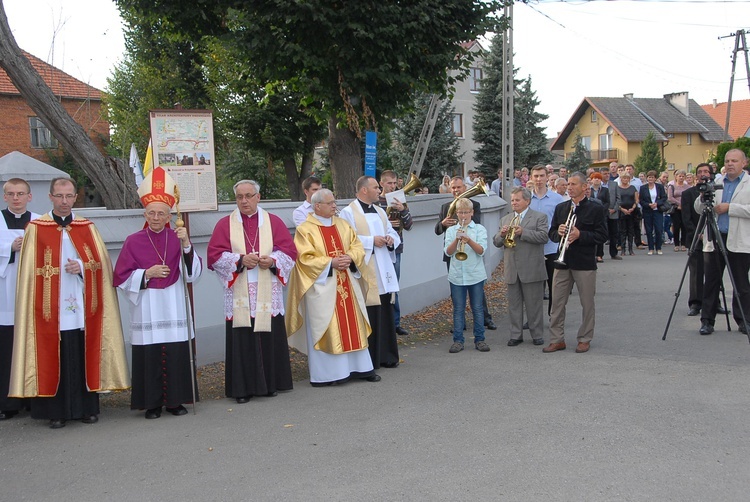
(570, 49)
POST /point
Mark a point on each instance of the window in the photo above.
(690, 167)
(689, 138)
(594, 116)
(457, 125)
(586, 142)
(41, 137)
(670, 167)
(475, 79)
(605, 140)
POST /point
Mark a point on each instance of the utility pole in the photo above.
(739, 45)
(509, 90)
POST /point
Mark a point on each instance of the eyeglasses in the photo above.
(156, 214)
(66, 196)
(16, 194)
(247, 196)
(331, 203)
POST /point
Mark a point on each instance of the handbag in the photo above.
(668, 207)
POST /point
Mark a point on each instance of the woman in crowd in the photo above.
(652, 197)
(445, 186)
(628, 206)
(674, 196)
(690, 179)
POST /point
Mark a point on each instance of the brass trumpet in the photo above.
(412, 184)
(564, 242)
(460, 249)
(480, 187)
(510, 237)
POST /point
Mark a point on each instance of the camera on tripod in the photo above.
(707, 188)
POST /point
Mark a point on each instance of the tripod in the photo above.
(707, 218)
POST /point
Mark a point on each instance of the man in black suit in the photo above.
(601, 193)
(458, 187)
(690, 221)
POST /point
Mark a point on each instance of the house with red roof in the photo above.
(739, 117)
(20, 128)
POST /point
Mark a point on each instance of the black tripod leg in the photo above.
(724, 300)
(691, 251)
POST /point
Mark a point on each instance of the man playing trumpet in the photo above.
(579, 263)
(523, 234)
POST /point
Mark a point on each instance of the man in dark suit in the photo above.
(458, 187)
(600, 193)
(690, 219)
(525, 272)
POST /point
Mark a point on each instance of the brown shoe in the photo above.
(554, 347)
(583, 347)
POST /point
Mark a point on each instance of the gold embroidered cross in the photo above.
(47, 271)
(92, 265)
(336, 251)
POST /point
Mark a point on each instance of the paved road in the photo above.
(637, 418)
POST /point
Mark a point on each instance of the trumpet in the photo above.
(412, 184)
(510, 237)
(564, 242)
(477, 189)
(460, 249)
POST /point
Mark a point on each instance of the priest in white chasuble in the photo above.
(253, 254)
(379, 280)
(325, 302)
(68, 344)
(149, 272)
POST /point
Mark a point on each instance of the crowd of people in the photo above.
(61, 340)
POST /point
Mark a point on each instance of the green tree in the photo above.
(443, 153)
(721, 150)
(650, 159)
(579, 160)
(355, 63)
(529, 140)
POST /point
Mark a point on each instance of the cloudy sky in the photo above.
(570, 49)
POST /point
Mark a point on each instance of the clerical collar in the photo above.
(367, 208)
(63, 222)
(325, 221)
(16, 215)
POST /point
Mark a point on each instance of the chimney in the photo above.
(679, 100)
(629, 96)
(715, 103)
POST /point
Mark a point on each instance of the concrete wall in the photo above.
(423, 273)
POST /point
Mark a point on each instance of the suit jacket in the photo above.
(738, 238)
(645, 197)
(690, 217)
(614, 200)
(525, 262)
(439, 230)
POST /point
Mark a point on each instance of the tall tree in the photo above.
(112, 177)
(650, 158)
(443, 153)
(580, 159)
(529, 140)
(355, 63)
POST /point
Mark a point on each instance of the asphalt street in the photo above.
(636, 418)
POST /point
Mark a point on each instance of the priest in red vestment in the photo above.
(253, 254)
(68, 344)
(326, 304)
(149, 272)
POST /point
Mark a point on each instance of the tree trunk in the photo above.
(108, 175)
(346, 160)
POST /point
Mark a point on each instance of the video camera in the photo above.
(707, 187)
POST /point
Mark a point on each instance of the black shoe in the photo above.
(694, 311)
(272, 394)
(6, 415)
(401, 331)
(372, 378)
(178, 411)
(538, 341)
(490, 325)
(513, 342)
(91, 419)
(706, 327)
(721, 310)
(153, 413)
(525, 325)
(56, 424)
(243, 399)
(390, 365)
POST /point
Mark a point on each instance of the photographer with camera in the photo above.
(732, 212)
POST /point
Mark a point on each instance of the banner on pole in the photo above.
(371, 152)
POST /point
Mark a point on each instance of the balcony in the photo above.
(596, 156)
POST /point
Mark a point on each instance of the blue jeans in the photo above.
(654, 222)
(476, 298)
(396, 308)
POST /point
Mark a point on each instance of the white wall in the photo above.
(423, 273)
